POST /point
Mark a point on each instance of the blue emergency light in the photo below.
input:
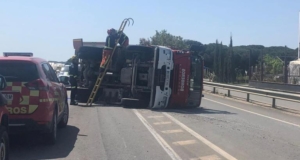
(25, 54)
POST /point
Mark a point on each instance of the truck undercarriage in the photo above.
(127, 78)
(151, 76)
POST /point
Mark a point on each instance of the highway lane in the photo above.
(250, 133)
(220, 129)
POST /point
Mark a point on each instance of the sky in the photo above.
(47, 28)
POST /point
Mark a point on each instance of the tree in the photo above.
(69, 60)
(216, 55)
(221, 63)
(233, 58)
(230, 68)
(145, 42)
(166, 39)
(273, 64)
(189, 43)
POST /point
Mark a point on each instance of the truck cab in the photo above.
(187, 79)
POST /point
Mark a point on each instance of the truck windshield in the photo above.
(196, 73)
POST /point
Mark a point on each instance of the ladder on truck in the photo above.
(102, 75)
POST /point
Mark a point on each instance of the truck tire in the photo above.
(65, 118)
(4, 144)
(51, 136)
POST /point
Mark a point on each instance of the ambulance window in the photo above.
(47, 72)
(17, 71)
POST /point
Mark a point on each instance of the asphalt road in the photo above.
(220, 129)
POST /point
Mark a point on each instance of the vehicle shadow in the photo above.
(32, 146)
(200, 110)
(98, 105)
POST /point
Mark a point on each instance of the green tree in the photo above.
(220, 62)
(230, 68)
(273, 64)
(189, 43)
(216, 56)
(166, 39)
(69, 60)
(145, 42)
(235, 58)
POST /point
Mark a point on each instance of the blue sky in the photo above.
(47, 28)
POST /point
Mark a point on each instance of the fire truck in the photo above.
(152, 76)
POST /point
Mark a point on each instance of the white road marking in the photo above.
(172, 131)
(161, 123)
(160, 140)
(211, 157)
(293, 124)
(183, 143)
(202, 139)
(155, 116)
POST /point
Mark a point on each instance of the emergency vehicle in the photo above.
(36, 100)
(155, 76)
(4, 140)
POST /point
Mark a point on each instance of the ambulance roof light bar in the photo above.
(25, 54)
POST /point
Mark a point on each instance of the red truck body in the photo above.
(183, 94)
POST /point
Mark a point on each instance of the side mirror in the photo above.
(2, 82)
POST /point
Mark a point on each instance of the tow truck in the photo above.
(153, 76)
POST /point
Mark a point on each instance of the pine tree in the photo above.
(225, 58)
(230, 71)
(216, 55)
(220, 63)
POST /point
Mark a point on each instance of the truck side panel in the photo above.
(180, 80)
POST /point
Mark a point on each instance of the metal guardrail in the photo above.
(259, 92)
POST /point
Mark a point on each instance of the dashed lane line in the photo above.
(161, 123)
(202, 139)
(160, 140)
(155, 117)
(210, 157)
(293, 124)
(172, 131)
(183, 143)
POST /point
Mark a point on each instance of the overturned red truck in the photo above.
(154, 76)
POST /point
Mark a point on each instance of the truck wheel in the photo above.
(65, 118)
(4, 144)
(51, 137)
